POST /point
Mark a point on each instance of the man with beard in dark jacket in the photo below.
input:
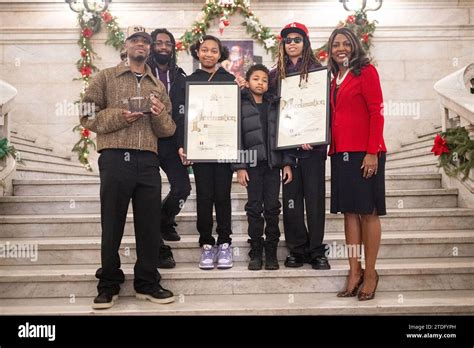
(262, 179)
(162, 61)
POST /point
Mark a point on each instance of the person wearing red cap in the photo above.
(305, 242)
(357, 156)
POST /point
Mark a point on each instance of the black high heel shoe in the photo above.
(352, 292)
(366, 296)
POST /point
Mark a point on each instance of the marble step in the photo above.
(15, 136)
(411, 158)
(27, 143)
(425, 166)
(51, 162)
(45, 281)
(428, 134)
(47, 153)
(455, 302)
(86, 250)
(418, 141)
(39, 172)
(82, 225)
(87, 187)
(30, 205)
(417, 145)
(410, 153)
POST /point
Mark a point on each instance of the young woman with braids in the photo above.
(305, 242)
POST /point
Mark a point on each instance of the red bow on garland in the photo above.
(440, 146)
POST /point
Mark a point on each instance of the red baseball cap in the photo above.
(295, 27)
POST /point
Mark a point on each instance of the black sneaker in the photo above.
(104, 300)
(160, 295)
(169, 234)
(294, 260)
(165, 258)
(320, 262)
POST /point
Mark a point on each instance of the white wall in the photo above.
(417, 43)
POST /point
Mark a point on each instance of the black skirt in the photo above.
(350, 191)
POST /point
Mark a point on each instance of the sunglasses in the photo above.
(296, 40)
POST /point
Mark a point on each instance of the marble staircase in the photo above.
(426, 259)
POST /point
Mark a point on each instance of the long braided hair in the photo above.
(308, 59)
(172, 62)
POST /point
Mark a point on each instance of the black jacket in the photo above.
(220, 75)
(252, 135)
(178, 100)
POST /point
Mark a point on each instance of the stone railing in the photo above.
(457, 102)
(7, 164)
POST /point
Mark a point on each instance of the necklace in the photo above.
(341, 80)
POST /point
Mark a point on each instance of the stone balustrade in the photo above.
(7, 164)
(457, 103)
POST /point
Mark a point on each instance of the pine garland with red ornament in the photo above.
(223, 10)
(90, 24)
(82, 146)
(456, 152)
(360, 25)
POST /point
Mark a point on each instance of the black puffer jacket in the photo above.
(252, 136)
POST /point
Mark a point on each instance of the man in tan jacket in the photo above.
(129, 167)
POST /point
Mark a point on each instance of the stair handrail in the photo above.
(7, 164)
(455, 93)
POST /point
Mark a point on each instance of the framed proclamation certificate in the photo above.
(304, 110)
(212, 122)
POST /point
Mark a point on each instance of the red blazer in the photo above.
(357, 119)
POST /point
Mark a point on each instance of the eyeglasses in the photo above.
(296, 40)
(161, 43)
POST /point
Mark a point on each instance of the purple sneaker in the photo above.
(208, 257)
(224, 256)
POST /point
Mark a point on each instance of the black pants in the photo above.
(178, 177)
(125, 175)
(307, 188)
(263, 190)
(213, 186)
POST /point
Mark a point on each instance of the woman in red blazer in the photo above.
(357, 157)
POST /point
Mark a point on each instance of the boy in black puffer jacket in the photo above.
(262, 177)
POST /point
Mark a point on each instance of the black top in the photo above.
(220, 75)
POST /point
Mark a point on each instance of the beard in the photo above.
(162, 59)
(139, 58)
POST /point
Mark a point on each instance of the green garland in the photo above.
(460, 159)
(223, 9)
(360, 25)
(90, 24)
(7, 150)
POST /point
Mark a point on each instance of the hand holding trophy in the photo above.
(156, 105)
